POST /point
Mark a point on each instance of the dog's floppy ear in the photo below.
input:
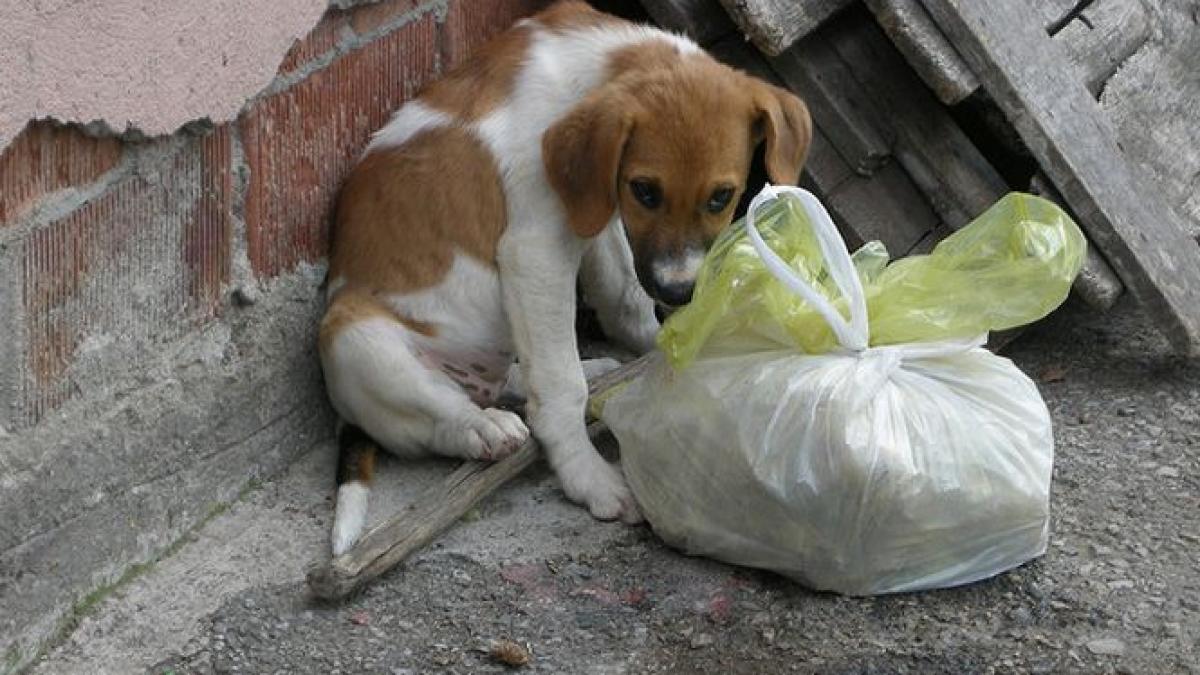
(582, 155)
(782, 120)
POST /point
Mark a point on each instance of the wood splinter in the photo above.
(391, 541)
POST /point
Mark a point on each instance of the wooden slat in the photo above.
(955, 177)
(1064, 128)
(929, 53)
(705, 21)
(1152, 103)
(774, 25)
(1104, 35)
(885, 207)
(837, 101)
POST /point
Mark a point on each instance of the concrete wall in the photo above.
(159, 293)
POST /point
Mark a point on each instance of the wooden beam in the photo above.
(1067, 132)
(929, 53)
(774, 25)
(837, 101)
(955, 177)
(705, 21)
(885, 207)
(1103, 36)
(1098, 35)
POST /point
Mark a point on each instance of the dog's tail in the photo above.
(356, 465)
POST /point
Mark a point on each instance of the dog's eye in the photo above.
(646, 193)
(719, 200)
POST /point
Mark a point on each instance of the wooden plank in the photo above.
(955, 177)
(774, 25)
(1097, 284)
(1152, 102)
(1064, 128)
(705, 21)
(837, 101)
(1103, 36)
(929, 53)
(885, 207)
(1098, 35)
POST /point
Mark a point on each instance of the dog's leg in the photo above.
(377, 382)
(514, 384)
(539, 271)
(610, 286)
(388, 396)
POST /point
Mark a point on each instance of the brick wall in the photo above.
(93, 221)
(159, 298)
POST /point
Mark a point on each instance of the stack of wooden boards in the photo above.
(927, 111)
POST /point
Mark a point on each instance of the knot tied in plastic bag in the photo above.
(834, 417)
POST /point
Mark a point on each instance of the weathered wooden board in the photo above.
(1152, 102)
(774, 25)
(1097, 284)
(1099, 36)
(812, 69)
(1065, 129)
(953, 174)
(885, 207)
(705, 21)
(925, 48)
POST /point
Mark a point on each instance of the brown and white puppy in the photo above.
(576, 146)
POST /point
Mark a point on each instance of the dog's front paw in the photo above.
(488, 434)
(500, 433)
(589, 480)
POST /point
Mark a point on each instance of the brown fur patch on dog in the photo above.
(573, 15)
(483, 82)
(353, 306)
(405, 212)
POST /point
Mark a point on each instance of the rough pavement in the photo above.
(1118, 590)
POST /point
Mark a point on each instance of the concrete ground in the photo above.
(1118, 590)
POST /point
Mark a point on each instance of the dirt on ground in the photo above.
(1117, 591)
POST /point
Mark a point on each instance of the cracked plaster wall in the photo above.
(148, 66)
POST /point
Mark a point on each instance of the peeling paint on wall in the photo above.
(145, 65)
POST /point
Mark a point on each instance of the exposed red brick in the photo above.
(470, 23)
(320, 40)
(143, 260)
(300, 142)
(207, 236)
(47, 157)
(366, 18)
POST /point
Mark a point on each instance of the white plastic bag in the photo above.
(862, 470)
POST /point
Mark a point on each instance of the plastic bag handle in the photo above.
(853, 335)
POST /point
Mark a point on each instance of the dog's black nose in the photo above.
(674, 294)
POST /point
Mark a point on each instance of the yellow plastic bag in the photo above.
(835, 419)
(1011, 266)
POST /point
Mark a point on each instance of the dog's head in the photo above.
(669, 150)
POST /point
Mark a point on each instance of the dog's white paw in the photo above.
(493, 434)
(589, 480)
